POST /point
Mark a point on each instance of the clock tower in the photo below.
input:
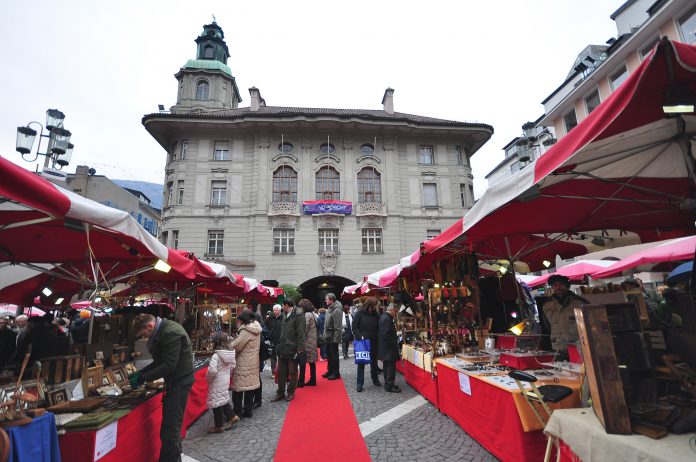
(206, 83)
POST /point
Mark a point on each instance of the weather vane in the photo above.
(213, 18)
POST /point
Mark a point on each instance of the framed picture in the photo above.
(130, 368)
(115, 359)
(106, 380)
(57, 396)
(92, 379)
(99, 354)
(118, 376)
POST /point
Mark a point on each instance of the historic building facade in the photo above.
(315, 197)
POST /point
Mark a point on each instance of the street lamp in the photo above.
(59, 148)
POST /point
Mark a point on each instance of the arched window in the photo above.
(285, 185)
(208, 52)
(367, 149)
(327, 148)
(328, 184)
(369, 186)
(285, 147)
(202, 90)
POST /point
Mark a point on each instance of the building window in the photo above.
(430, 194)
(618, 78)
(283, 241)
(175, 238)
(221, 150)
(328, 240)
(170, 194)
(570, 121)
(208, 52)
(202, 90)
(645, 51)
(328, 184)
(425, 155)
(592, 101)
(462, 194)
(285, 185)
(369, 186)
(471, 191)
(431, 234)
(367, 149)
(184, 147)
(327, 148)
(460, 155)
(180, 192)
(218, 193)
(165, 237)
(285, 148)
(215, 239)
(687, 26)
(372, 240)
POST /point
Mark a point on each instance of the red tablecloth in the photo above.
(421, 380)
(490, 416)
(138, 431)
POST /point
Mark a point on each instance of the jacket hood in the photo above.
(253, 328)
(227, 356)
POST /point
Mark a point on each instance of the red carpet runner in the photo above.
(320, 425)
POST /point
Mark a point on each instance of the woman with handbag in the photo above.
(366, 327)
(310, 346)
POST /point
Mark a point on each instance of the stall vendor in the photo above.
(172, 357)
(560, 314)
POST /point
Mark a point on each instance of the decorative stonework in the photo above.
(328, 262)
(327, 158)
(368, 159)
(328, 220)
(285, 155)
(283, 221)
(284, 208)
(218, 170)
(371, 208)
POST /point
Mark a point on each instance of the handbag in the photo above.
(362, 351)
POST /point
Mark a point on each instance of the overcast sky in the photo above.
(106, 64)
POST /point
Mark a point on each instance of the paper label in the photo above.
(464, 383)
(105, 440)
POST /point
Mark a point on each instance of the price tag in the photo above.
(464, 383)
(105, 440)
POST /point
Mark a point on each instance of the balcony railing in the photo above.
(283, 208)
(371, 208)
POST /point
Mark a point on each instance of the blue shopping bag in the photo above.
(361, 349)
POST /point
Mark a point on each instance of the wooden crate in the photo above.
(602, 369)
(59, 369)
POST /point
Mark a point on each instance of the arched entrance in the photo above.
(315, 289)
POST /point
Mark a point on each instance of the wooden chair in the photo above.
(4, 446)
(540, 396)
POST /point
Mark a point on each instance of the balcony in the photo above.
(283, 208)
(371, 209)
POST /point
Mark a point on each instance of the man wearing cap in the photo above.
(272, 328)
(560, 314)
(172, 359)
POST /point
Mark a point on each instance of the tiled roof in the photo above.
(279, 112)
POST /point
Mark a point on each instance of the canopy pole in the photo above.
(514, 278)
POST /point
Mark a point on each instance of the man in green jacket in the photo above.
(172, 359)
(291, 344)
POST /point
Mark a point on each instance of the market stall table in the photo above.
(494, 412)
(417, 368)
(36, 441)
(582, 436)
(138, 431)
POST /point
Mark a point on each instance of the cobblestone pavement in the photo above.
(422, 434)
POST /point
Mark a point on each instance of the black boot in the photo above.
(312, 375)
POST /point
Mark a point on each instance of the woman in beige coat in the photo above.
(310, 346)
(246, 373)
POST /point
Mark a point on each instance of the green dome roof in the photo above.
(210, 64)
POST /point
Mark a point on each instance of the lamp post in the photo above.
(59, 149)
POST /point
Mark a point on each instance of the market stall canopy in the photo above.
(673, 250)
(627, 166)
(575, 271)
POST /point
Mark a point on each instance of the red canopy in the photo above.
(674, 250)
(575, 271)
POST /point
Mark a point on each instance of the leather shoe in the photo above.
(215, 430)
(291, 396)
(325, 375)
(377, 382)
(394, 390)
(311, 383)
(333, 377)
(277, 398)
(359, 389)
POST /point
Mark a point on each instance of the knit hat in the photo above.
(559, 278)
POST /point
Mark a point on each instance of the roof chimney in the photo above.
(256, 100)
(388, 101)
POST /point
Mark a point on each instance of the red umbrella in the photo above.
(674, 250)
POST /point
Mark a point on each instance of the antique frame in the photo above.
(118, 375)
(57, 396)
(92, 379)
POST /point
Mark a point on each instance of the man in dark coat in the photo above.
(172, 359)
(274, 325)
(290, 345)
(8, 341)
(365, 326)
(389, 348)
(333, 328)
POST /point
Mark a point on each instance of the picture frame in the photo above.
(57, 396)
(98, 355)
(119, 376)
(115, 359)
(92, 379)
(106, 380)
(130, 368)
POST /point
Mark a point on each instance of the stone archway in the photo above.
(315, 289)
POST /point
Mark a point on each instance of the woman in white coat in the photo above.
(218, 377)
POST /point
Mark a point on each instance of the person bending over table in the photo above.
(172, 359)
(560, 315)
